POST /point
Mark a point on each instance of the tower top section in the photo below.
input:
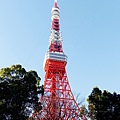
(55, 37)
(55, 52)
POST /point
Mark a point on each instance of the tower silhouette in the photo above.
(58, 102)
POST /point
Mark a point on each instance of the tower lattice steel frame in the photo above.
(58, 102)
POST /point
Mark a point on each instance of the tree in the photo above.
(19, 91)
(103, 105)
(83, 112)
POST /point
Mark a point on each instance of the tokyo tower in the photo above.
(58, 102)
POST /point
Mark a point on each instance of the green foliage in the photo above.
(18, 92)
(83, 112)
(103, 105)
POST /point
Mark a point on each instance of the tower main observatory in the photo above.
(58, 102)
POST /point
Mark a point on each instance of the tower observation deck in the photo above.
(58, 102)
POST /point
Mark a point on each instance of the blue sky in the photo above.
(91, 39)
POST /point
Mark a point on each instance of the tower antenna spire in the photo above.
(55, 3)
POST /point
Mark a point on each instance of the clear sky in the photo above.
(91, 39)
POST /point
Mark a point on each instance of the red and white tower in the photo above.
(58, 102)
